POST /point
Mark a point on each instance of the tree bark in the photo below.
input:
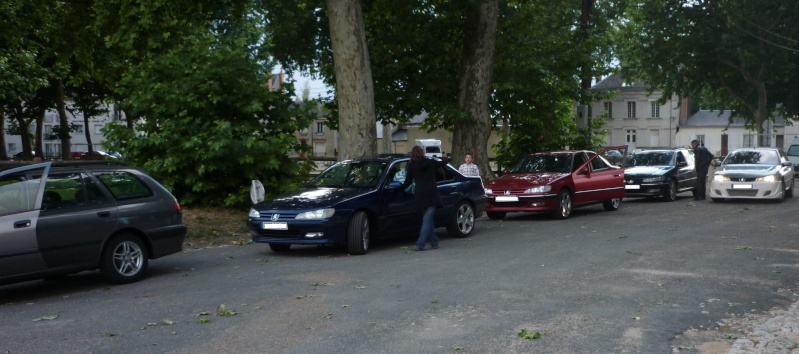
(86, 131)
(63, 132)
(38, 147)
(3, 151)
(354, 84)
(470, 134)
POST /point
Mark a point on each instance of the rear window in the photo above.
(124, 185)
(432, 149)
(793, 150)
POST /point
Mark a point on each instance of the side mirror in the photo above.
(682, 164)
(257, 192)
(787, 163)
(394, 185)
(585, 171)
(716, 162)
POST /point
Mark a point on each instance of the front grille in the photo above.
(743, 179)
(515, 191)
(741, 193)
(281, 216)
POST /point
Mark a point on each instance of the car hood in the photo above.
(524, 180)
(751, 170)
(310, 198)
(647, 170)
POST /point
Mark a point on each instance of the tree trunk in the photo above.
(3, 151)
(38, 146)
(470, 134)
(762, 113)
(86, 131)
(63, 133)
(388, 147)
(354, 85)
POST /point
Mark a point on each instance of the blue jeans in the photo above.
(428, 229)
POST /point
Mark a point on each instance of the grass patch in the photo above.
(210, 226)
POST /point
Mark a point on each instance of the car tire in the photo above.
(124, 259)
(462, 222)
(782, 191)
(496, 215)
(789, 192)
(358, 233)
(279, 247)
(612, 205)
(670, 194)
(564, 209)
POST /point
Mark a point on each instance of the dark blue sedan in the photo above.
(355, 201)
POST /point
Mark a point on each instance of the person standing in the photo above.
(468, 168)
(702, 160)
(422, 171)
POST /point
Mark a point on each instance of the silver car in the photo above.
(57, 220)
(753, 173)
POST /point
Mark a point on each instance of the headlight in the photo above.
(316, 214)
(770, 178)
(653, 179)
(720, 178)
(254, 213)
(539, 189)
(489, 191)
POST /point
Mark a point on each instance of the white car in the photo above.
(753, 173)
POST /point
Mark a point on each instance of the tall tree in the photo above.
(738, 51)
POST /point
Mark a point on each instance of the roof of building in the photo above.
(616, 82)
(713, 118)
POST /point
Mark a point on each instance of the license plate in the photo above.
(741, 186)
(511, 198)
(632, 186)
(275, 226)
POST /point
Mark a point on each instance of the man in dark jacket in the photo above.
(422, 171)
(702, 159)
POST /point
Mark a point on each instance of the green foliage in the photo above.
(209, 123)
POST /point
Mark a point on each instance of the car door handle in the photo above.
(616, 175)
(22, 223)
(103, 214)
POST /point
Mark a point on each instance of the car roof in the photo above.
(380, 157)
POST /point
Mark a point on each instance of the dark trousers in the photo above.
(701, 183)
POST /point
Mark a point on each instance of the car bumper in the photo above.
(167, 240)
(745, 190)
(306, 232)
(645, 189)
(525, 203)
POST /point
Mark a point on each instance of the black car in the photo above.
(356, 201)
(57, 220)
(663, 172)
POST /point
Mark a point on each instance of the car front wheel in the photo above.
(789, 192)
(564, 209)
(462, 222)
(124, 259)
(358, 233)
(670, 194)
(612, 205)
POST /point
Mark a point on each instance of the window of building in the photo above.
(98, 129)
(320, 127)
(655, 110)
(48, 129)
(608, 109)
(78, 129)
(701, 140)
(319, 149)
(12, 148)
(630, 135)
(630, 109)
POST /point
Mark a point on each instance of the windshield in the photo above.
(752, 157)
(544, 163)
(350, 174)
(660, 158)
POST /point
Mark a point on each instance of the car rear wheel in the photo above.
(670, 194)
(124, 259)
(358, 233)
(493, 215)
(462, 222)
(280, 247)
(612, 205)
(564, 209)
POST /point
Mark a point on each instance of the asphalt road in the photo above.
(631, 281)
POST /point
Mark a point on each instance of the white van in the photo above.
(793, 152)
(432, 147)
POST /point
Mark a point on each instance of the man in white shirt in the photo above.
(468, 168)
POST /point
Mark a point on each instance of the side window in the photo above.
(124, 185)
(397, 173)
(17, 194)
(681, 157)
(598, 164)
(443, 174)
(70, 190)
(579, 160)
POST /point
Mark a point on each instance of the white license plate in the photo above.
(511, 198)
(741, 186)
(632, 186)
(275, 226)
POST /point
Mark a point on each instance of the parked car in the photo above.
(556, 182)
(753, 173)
(666, 172)
(357, 201)
(67, 218)
(20, 156)
(97, 155)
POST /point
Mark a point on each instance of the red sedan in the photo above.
(557, 182)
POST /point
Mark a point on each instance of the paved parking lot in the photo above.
(652, 277)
